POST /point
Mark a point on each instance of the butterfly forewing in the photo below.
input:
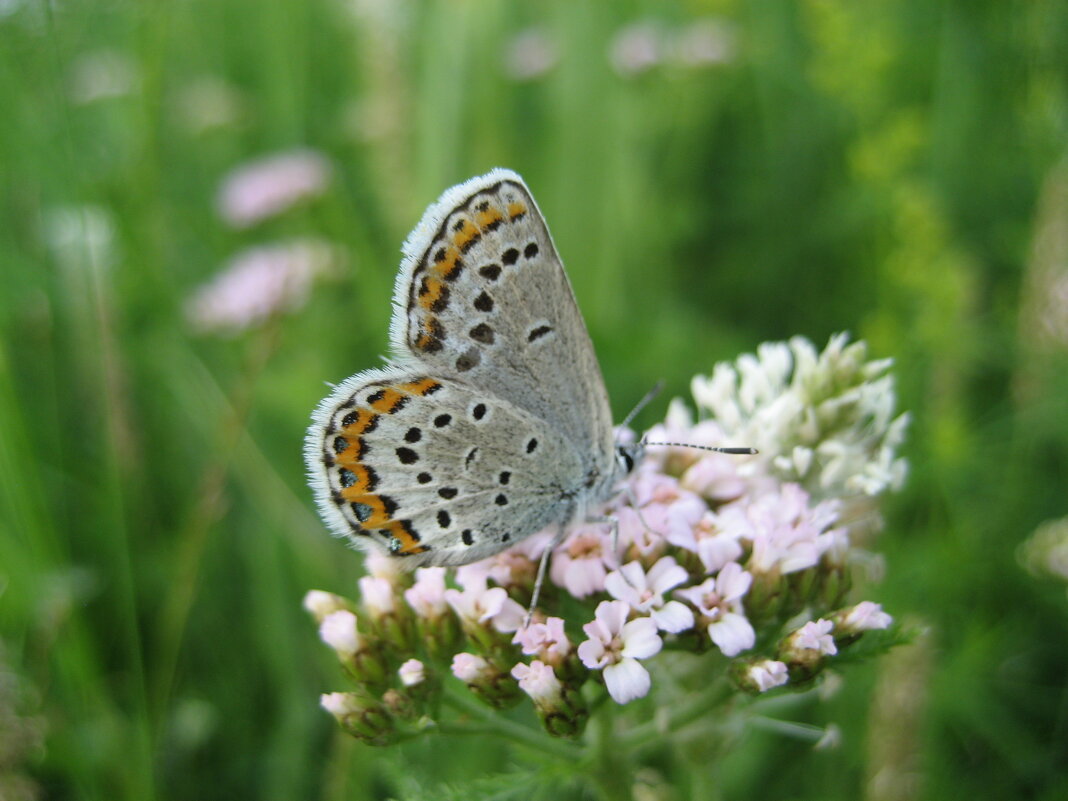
(482, 296)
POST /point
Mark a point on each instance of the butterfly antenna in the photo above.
(645, 401)
(732, 451)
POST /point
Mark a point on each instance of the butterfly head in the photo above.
(628, 455)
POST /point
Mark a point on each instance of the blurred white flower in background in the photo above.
(260, 282)
(1046, 550)
(100, 75)
(80, 237)
(209, 103)
(268, 186)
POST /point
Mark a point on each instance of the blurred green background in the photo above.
(716, 174)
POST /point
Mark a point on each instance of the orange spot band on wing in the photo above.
(431, 293)
(365, 419)
(407, 540)
(361, 483)
(388, 401)
(424, 386)
(516, 209)
(488, 217)
(467, 234)
(379, 516)
(450, 264)
(350, 457)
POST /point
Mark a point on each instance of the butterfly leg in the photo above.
(543, 564)
(632, 499)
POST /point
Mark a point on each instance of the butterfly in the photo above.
(490, 422)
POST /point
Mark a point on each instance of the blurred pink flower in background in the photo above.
(705, 43)
(636, 48)
(258, 283)
(530, 54)
(269, 186)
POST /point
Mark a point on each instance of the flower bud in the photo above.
(361, 716)
(760, 675)
(805, 650)
(562, 709)
(361, 655)
(486, 680)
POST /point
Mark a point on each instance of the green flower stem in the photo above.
(655, 730)
(798, 731)
(490, 722)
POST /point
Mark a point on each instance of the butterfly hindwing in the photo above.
(432, 469)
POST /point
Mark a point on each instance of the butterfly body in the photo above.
(491, 422)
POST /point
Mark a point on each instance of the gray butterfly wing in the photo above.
(482, 297)
(434, 470)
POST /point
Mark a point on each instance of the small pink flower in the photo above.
(787, 534)
(412, 672)
(665, 510)
(579, 565)
(616, 645)
(427, 595)
(377, 594)
(470, 668)
(539, 682)
(767, 674)
(644, 592)
(636, 48)
(715, 477)
(529, 55)
(719, 601)
(338, 630)
(815, 636)
(713, 545)
(269, 186)
(493, 606)
(547, 640)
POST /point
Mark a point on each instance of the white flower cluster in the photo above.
(824, 420)
(711, 552)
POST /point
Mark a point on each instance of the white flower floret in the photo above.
(412, 672)
(616, 645)
(470, 668)
(320, 604)
(644, 592)
(767, 674)
(865, 616)
(340, 705)
(338, 630)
